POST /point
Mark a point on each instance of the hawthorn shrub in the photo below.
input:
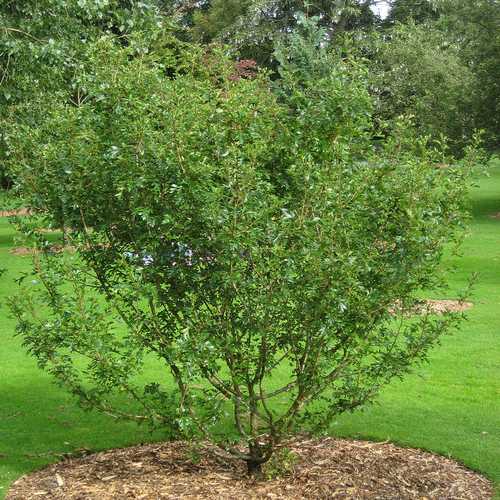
(245, 236)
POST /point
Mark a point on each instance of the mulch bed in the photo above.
(445, 305)
(11, 213)
(22, 251)
(327, 468)
(435, 306)
(31, 251)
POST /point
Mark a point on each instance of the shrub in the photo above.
(250, 242)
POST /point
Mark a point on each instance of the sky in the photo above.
(381, 8)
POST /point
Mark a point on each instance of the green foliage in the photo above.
(418, 72)
(233, 233)
(418, 11)
(218, 19)
(281, 464)
(253, 27)
(9, 200)
(464, 41)
(40, 42)
(455, 41)
(473, 27)
(42, 47)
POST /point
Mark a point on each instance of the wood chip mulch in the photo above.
(21, 251)
(445, 305)
(435, 306)
(14, 212)
(326, 468)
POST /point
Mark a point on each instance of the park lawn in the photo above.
(38, 420)
(450, 406)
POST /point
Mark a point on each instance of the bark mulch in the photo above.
(32, 251)
(326, 468)
(435, 306)
(12, 213)
(442, 306)
(22, 251)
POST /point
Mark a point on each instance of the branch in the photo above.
(15, 30)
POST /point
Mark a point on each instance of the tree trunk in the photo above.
(254, 468)
(255, 460)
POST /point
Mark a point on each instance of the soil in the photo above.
(436, 306)
(495, 216)
(325, 469)
(11, 213)
(31, 251)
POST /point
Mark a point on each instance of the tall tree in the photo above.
(253, 26)
(418, 72)
(474, 27)
(418, 11)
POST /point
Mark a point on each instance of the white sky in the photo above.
(381, 8)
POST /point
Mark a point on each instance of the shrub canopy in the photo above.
(247, 237)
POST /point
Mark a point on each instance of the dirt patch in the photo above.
(495, 216)
(435, 306)
(22, 251)
(31, 251)
(326, 468)
(443, 306)
(11, 213)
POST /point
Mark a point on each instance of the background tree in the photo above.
(418, 11)
(217, 17)
(42, 44)
(254, 26)
(473, 26)
(418, 71)
(245, 236)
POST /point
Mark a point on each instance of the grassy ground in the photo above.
(451, 406)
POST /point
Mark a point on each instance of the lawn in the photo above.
(450, 406)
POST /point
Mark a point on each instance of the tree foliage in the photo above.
(244, 237)
(418, 11)
(43, 43)
(417, 71)
(473, 26)
(462, 44)
(255, 26)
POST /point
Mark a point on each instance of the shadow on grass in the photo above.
(485, 207)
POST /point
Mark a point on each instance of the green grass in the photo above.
(38, 420)
(450, 406)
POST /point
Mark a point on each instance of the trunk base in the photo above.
(254, 469)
